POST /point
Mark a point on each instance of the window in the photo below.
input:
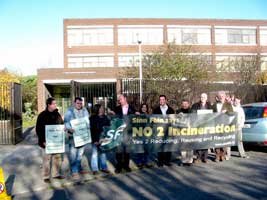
(89, 35)
(75, 62)
(253, 112)
(234, 63)
(207, 59)
(149, 35)
(246, 36)
(189, 35)
(263, 63)
(128, 60)
(87, 60)
(234, 36)
(263, 35)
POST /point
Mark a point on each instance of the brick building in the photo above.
(95, 50)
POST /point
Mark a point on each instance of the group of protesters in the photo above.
(97, 119)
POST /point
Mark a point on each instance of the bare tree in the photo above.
(171, 62)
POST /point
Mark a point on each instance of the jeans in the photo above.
(94, 159)
(75, 155)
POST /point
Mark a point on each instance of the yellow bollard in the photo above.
(3, 194)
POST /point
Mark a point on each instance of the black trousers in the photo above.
(123, 160)
(202, 154)
(164, 158)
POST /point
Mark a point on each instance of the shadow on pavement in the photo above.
(235, 179)
(10, 183)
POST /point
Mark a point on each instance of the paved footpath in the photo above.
(235, 179)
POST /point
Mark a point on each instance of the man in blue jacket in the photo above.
(75, 112)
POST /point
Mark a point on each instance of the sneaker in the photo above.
(84, 172)
(47, 180)
(160, 164)
(187, 164)
(75, 176)
(95, 172)
(117, 171)
(127, 169)
(245, 156)
(59, 177)
(140, 166)
(106, 171)
(148, 165)
(168, 164)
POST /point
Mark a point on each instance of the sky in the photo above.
(31, 31)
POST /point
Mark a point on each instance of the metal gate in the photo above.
(10, 113)
(92, 93)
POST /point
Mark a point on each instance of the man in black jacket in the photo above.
(122, 154)
(50, 116)
(163, 109)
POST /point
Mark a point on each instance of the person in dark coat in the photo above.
(164, 158)
(203, 104)
(98, 120)
(143, 158)
(185, 107)
(186, 155)
(122, 154)
(50, 116)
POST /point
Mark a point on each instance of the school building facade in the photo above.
(96, 49)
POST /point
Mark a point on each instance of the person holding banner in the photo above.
(143, 158)
(222, 106)
(77, 124)
(163, 109)
(98, 120)
(185, 107)
(122, 154)
(50, 116)
(240, 123)
(203, 104)
(187, 156)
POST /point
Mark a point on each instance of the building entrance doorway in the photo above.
(95, 93)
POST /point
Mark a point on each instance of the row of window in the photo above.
(223, 62)
(153, 35)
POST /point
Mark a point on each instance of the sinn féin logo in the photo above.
(2, 188)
